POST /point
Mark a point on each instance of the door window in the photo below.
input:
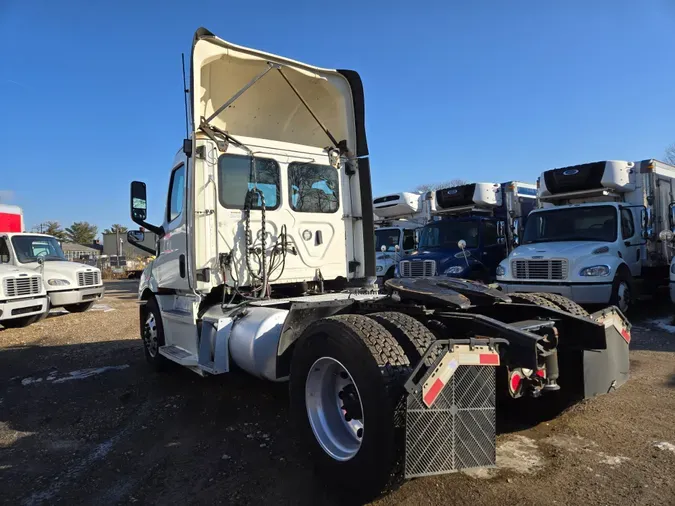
(627, 226)
(490, 236)
(408, 240)
(4, 251)
(313, 188)
(176, 193)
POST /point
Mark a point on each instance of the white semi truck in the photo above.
(597, 237)
(71, 285)
(398, 219)
(23, 299)
(266, 261)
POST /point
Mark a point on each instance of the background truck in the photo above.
(23, 299)
(71, 285)
(266, 261)
(597, 236)
(398, 219)
(486, 217)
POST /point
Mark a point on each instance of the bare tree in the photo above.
(437, 186)
(670, 154)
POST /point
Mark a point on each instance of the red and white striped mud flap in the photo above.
(461, 354)
(450, 419)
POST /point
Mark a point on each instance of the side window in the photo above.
(176, 193)
(627, 226)
(313, 188)
(4, 251)
(237, 175)
(489, 233)
(408, 240)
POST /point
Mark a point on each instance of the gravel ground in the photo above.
(84, 421)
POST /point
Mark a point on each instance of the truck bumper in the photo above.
(584, 294)
(23, 307)
(67, 297)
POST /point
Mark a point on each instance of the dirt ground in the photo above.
(84, 421)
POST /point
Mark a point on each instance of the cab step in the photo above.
(179, 355)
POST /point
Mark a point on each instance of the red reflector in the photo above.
(433, 392)
(626, 335)
(541, 373)
(489, 359)
(515, 382)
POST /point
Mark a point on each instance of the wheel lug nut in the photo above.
(348, 418)
(359, 433)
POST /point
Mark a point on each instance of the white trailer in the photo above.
(266, 260)
(72, 285)
(597, 237)
(398, 219)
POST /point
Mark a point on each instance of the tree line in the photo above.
(80, 232)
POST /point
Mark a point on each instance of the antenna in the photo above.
(185, 96)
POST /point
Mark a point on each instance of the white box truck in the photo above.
(597, 236)
(398, 219)
(71, 285)
(23, 299)
(266, 260)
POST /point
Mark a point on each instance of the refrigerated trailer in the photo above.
(598, 236)
(266, 261)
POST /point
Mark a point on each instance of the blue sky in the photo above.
(91, 92)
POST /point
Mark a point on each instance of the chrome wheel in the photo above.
(623, 295)
(334, 408)
(150, 335)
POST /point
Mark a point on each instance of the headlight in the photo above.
(500, 270)
(379, 268)
(58, 282)
(596, 270)
(455, 269)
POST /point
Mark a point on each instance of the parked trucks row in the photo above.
(39, 272)
(266, 260)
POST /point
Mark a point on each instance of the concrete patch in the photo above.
(665, 324)
(102, 307)
(73, 375)
(664, 445)
(481, 473)
(577, 444)
(520, 454)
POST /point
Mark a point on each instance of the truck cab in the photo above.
(71, 285)
(473, 229)
(398, 219)
(594, 237)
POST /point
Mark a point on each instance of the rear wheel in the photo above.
(532, 298)
(412, 335)
(565, 304)
(346, 389)
(78, 308)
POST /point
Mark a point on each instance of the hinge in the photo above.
(208, 212)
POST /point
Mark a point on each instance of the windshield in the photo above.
(29, 248)
(388, 237)
(446, 234)
(597, 223)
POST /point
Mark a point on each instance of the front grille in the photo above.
(539, 269)
(88, 278)
(417, 269)
(18, 287)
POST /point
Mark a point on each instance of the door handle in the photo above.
(181, 266)
(627, 243)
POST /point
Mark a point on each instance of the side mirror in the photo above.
(671, 216)
(501, 229)
(516, 231)
(135, 236)
(139, 201)
(397, 248)
(383, 248)
(461, 244)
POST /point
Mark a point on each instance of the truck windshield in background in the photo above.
(29, 248)
(388, 237)
(595, 223)
(446, 234)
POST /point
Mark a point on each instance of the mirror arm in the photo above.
(141, 246)
(152, 228)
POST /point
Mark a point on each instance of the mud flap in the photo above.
(450, 412)
(608, 369)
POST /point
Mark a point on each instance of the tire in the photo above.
(153, 331)
(377, 367)
(622, 292)
(17, 323)
(531, 298)
(79, 308)
(409, 333)
(565, 304)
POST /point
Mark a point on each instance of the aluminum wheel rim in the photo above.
(150, 335)
(334, 408)
(623, 294)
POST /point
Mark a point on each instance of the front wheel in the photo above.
(345, 390)
(622, 292)
(152, 331)
(78, 308)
